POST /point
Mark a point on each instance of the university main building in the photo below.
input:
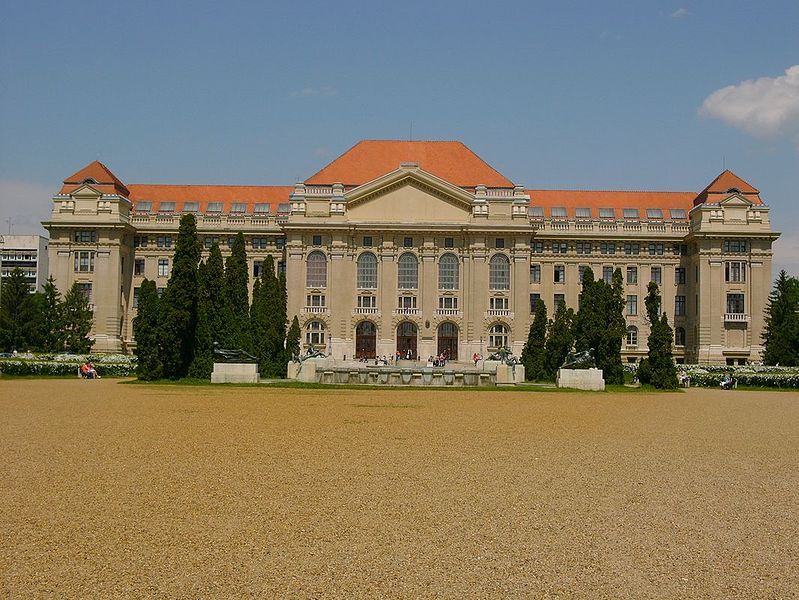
(423, 247)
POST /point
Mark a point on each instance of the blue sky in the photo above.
(598, 95)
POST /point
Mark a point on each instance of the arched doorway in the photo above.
(448, 340)
(406, 339)
(365, 340)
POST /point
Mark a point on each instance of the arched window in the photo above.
(499, 273)
(498, 336)
(316, 270)
(632, 335)
(448, 272)
(679, 336)
(315, 333)
(367, 271)
(408, 272)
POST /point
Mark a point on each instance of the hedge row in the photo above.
(772, 380)
(28, 367)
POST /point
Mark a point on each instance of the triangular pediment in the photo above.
(735, 199)
(86, 190)
(406, 195)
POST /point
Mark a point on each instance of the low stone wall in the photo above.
(581, 379)
(235, 373)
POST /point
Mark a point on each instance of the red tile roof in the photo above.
(99, 173)
(723, 184)
(369, 159)
(572, 199)
(205, 194)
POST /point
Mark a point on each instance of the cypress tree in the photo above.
(179, 304)
(215, 293)
(615, 331)
(560, 339)
(282, 323)
(258, 322)
(270, 315)
(781, 334)
(146, 326)
(293, 339)
(658, 368)
(52, 320)
(202, 363)
(534, 353)
(77, 321)
(17, 311)
(236, 311)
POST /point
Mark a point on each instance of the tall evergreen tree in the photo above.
(202, 363)
(658, 368)
(146, 326)
(616, 330)
(17, 311)
(52, 320)
(560, 339)
(293, 339)
(781, 334)
(534, 353)
(77, 321)
(179, 305)
(272, 333)
(236, 312)
(215, 292)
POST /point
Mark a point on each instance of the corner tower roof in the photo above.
(100, 174)
(369, 159)
(725, 184)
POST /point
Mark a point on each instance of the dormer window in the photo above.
(261, 209)
(582, 213)
(166, 207)
(677, 213)
(90, 181)
(654, 213)
(238, 208)
(191, 207)
(607, 213)
(734, 191)
(214, 208)
(631, 214)
(144, 206)
(535, 212)
(558, 212)
(283, 208)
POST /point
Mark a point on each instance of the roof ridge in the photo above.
(605, 191)
(213, 184)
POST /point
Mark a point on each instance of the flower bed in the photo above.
(752, 375)
(108, 365)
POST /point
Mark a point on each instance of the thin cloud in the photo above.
(680, 13)
(310, 92)
(24, 205)
(765, 107)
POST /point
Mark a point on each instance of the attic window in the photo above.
(166, 207)
(558, 212)
(654, 213)
(607, 213)
(284, 208)
(144, 206)
(261, 209)
(191, 207)
(677, 213)
(535, 212)
(582, 213)
(631, 213)
(734, 191)
(89, 180)
(238, 208)
(214, 207)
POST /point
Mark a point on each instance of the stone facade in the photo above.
(421, 248)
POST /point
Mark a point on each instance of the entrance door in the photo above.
(365, 340)
(448, 340)
(406, 339)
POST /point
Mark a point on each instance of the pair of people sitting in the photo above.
(727, 382)
(88, 371)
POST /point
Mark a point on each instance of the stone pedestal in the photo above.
(305, 371)
(235, 373)
(581, 379)
(510, 374)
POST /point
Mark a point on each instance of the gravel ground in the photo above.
(110, 490)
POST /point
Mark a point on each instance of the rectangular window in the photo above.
(559, 299)
(679, 275)
(191, 207)
(537, 247)
(499, 243)
(534, 298)
(280, 243)
(261, 209)
(582, 213)
(138, 266)
(140, 241)
(654, 213)
(734, 246)
(448, 302)
(259, 243)
(209, 241)
(238, 208)
(560, 247)
(632, 274)
(367, 241)
(632, 305)
(535, 212)
(535, 273)
(86, 290)
(163, 267)
(498, 303)
(257, 268)
(735, 303)
(735, 272)
(281, 268)
(560, 274)
(632, 248)
(677, 214)
(631, 214)
(656, 275)
(580, 271)
(231, 241)
(679, 306)
(680, 249)
(449, 242)
(86, 236)
(406, 302)
(212, 208)
(317, 240)
(135, 297)
(166, 207)
(143, 206)
(407, 242)
(655, 249)
(84, 261)
(558, 212)
(315, 300)
(163, 241)
(584, 247)
(607, 247)
(367, 301)
(607, 274)
(607, 213)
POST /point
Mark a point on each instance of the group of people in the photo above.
(728, 382)
(88, 371)
(439, 360)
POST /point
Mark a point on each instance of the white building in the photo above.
(29, 253)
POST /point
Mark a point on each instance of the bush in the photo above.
(28, 365)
